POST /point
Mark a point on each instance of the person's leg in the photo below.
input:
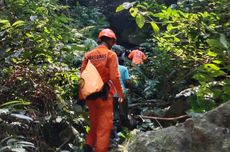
(115, 118)
(91, 137)
(114, 137)
(105, 123)
(115, 108)
(123, 113)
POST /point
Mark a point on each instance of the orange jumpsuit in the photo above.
(137, 56)
(101, 111)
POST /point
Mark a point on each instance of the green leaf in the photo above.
(227, 82)
(64, 19)
(14, 60)
(217, 73)
(169, 27)
(15, 103)
(87, 129)
(176, 39)
(226, 90)
(227, 67)
(18, 23)
(142, 7)
(169, 11)
(212, 54)
(223, 41)
(133, 12)
(150, 14)
(78, 47)
(121, 135)
(215, 43)
(4, 22)
(213, 70)
(155, 27)
(120, 8)
(46, 30)
(216, 61)
(29, 35)
(201, 77)
(212, 66)
(49, 59)
(140, 20)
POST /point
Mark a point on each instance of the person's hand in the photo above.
(120, 100)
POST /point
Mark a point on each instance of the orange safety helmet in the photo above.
(107, 33)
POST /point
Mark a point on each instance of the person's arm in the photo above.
(127, 78)
(114, 74)
(130, 56)
(144, 57)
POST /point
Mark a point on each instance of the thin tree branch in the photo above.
(161, 118)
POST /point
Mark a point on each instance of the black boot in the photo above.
(87, 148)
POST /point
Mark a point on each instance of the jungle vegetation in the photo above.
(42, 43)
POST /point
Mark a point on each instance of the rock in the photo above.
(220, 116)
(178, 108)
(209, 133)
(189, 123)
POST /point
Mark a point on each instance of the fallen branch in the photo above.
(159, 123)
(162, 104)
(160, 118)
(157, 100)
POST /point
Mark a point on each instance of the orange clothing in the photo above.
(101, 111)
(137, 56)
(106, 63)
(101, 123)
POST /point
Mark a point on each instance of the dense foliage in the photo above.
(41, 46)
(194, 50)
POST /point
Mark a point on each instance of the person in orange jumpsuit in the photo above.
(137, 56)
(101, 108)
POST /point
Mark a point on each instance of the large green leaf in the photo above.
(4, 22)
(133, 12)
(212, 66)
(155, 27)
(18, 23)
(213, 70)
(120, 8)
(140, 20)
(224, 41)
(215, 43)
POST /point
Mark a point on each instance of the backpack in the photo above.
(90, 82)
